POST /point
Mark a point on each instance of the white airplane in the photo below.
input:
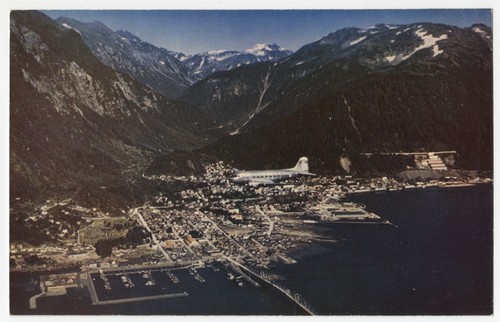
(263, 177)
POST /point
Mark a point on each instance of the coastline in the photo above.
(412, 187)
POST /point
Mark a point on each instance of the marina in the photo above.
(124, 286)
(114, 286)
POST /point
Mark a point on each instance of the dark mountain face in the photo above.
(384, 89)
(78, 128)
(168, 73)
(485, 32)
(124, 52)
(229, 98)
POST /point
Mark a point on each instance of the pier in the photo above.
(245, 276)
(91, 288)
(142, 298)
(172, 277)
(54, 292)
(294, 297)
(141, 268)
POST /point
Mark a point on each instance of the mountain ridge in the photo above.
(127, 53)
(203, 64)
(78, 128)
(421, 72)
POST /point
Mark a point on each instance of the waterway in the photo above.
(438, 260)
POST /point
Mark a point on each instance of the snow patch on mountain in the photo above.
(428, 41)
(216, 52)
(481, 32)
(436, 51)
(261, 50)
(354, 42)
(390, 58)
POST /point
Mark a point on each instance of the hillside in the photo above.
(418, 87)
(126, 53)
(78, 128)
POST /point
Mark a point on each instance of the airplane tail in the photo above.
(302, 165)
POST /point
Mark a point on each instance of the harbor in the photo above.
(114, 286)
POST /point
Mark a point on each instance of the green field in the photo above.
(109, 228)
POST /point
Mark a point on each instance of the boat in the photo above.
(173, 278)
(127, 281)
(199, 278)
(215, 269)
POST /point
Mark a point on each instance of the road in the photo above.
(155, 240)
(271, 223)
(225, 234)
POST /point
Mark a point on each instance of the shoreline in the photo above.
(444, 186)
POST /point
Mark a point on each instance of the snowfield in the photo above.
(429, 41)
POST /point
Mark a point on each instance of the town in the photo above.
(248, 227)
(215, 218)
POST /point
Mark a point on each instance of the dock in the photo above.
(236, 268)
(142, 298)
(172, 277)
(55, 292)
(91, 288)
(294, 297)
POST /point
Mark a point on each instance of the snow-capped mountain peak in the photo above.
(204, 64)
(264, 49)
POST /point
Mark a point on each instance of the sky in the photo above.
(195, 31)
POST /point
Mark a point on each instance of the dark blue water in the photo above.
(439, 260)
